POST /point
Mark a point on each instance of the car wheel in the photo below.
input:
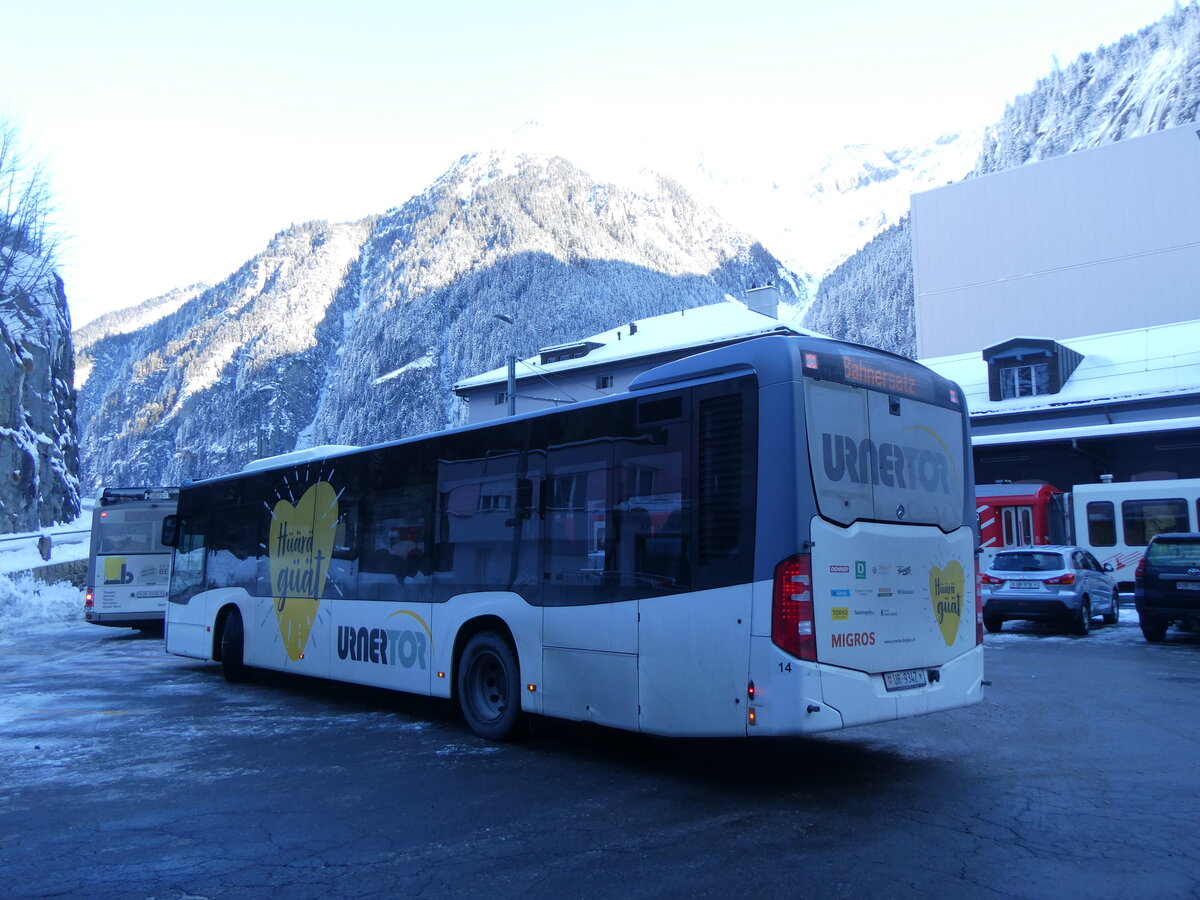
(233, 645)
(992, 624)
(1083, 624)
(489, 687)
(1153, 630)
(1114, 614)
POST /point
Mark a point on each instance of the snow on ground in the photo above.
(1124, 631)
(26, 603)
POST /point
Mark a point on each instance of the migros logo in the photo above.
(387, 646)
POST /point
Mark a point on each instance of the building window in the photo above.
(501, 398)
(603, 381)
(1024, 381)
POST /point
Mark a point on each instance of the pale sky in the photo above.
(180, 137)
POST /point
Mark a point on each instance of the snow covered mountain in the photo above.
(814, 219)
(1144, 82)
(354, 333)
(39, 455)
(811, 213)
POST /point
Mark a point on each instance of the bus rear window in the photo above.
(882, 457)
(120, 534)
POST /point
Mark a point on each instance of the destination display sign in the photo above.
(880, 373)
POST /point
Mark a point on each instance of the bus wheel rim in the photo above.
(487, 684)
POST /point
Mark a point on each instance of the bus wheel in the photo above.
(233, 642)
(489, 687)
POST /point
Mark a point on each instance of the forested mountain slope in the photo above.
(354, 333)
(1144, 82)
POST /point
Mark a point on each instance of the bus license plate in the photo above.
(903, 681)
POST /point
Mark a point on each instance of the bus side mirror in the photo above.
(170, 531)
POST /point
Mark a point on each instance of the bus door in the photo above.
(590, 636)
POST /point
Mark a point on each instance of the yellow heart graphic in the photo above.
(301, 544)
(946, 595)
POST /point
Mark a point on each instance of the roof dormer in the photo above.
(1027, 367)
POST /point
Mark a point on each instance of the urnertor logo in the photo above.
(892, 465)
(386, 646)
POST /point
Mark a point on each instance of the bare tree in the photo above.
(28, 245)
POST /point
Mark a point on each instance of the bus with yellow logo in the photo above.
(129, 568)
(776, 537)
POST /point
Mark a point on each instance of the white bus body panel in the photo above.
(876, 610)
(130, 588)
(814, 697)
(695, 662)
(189, 626)
(866, 585)
(590, 661)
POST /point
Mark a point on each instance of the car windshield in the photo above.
(1027, 562)
(1174, 552)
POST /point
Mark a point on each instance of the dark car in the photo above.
(1048, 584)
(1167, 585)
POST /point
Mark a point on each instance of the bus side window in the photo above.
(187, 574)
(1101, 524)
(341, 580)
(395, 560)
(652, 514)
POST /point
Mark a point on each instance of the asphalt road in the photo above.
(130, 773)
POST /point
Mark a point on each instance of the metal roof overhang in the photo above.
(1115, 429)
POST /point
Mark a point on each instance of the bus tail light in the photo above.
(792, 608)
(89, 599)
(979, 581)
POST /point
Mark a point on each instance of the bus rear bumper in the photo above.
(127, 619)
(815, 697)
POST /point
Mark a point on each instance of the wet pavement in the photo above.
(131, 773)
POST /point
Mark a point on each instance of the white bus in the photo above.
(129, 568)
(1115, 520)
(771, 538)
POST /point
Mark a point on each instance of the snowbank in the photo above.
(26, 604)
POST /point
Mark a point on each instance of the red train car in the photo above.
(1020, 515)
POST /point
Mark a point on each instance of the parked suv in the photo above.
(1049, 584)
(1167, 584)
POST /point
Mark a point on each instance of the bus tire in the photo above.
(233, 648)
(489, 687)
